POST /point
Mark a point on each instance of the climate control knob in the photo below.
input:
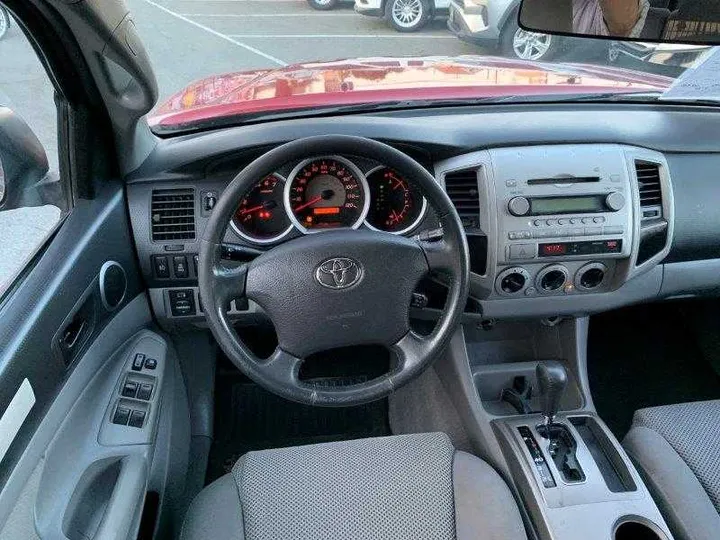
(519, 206)
(615, 201)
(513, 281)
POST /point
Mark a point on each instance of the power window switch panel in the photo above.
(145, 391)
(121, 416)
(137, 419)
(129, 389)
(150, 363)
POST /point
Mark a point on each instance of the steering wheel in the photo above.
(336, 288)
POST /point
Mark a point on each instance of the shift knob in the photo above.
(552, 379)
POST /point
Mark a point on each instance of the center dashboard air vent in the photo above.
(462, 188)
(173, 214)
(649, 186)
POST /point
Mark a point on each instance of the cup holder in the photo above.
(637, 528)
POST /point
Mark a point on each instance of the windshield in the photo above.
(227, 62)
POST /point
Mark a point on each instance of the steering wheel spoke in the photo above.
(282, 367)
(439, 254)
(410, 350)
(229, 283)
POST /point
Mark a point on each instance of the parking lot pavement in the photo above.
(191, 39)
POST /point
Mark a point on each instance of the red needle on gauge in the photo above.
(309, 203)
(253, 209)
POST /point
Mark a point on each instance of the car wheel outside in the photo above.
(408, 15)
(518, 43)
(322, 5)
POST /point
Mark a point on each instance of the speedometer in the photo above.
(326, 193)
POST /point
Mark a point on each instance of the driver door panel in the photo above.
(67, 473)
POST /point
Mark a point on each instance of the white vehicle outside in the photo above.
(403, 15)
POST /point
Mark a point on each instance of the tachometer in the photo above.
(260, 216)
(326, 193)
(395, 205)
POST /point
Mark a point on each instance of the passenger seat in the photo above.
(677, 451)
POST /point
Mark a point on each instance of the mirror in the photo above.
(665, 21)
(23, 163)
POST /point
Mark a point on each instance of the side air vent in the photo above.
(462, 188)
(173, 214)
(648, 176)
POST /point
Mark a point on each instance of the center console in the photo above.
(522, 391)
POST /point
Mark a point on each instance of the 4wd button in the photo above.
(523, 251)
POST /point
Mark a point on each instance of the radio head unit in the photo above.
(572, 206)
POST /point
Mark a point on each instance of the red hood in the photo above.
(375, 80)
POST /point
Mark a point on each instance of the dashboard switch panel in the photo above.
(182, 302)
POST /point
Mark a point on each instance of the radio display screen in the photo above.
(542, 206)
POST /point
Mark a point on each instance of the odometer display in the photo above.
(326, 193)
(396, 206)
(260, 216)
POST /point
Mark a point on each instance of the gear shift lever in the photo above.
(552, 379)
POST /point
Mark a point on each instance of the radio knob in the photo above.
(519, 206)
(615, 201)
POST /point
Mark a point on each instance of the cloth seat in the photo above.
(406, 487)
(677, 451)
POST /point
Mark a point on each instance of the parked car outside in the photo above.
(403, 15)
(324, 5)
(668, 59)
(493, 23)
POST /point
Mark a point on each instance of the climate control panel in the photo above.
(554, 279)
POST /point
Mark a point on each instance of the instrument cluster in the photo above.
(326, 193)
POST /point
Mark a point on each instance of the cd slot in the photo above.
(564, 180)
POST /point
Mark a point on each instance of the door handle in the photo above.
(73, 333)
(121, 512)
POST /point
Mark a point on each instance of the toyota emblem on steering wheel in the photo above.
(338, 273)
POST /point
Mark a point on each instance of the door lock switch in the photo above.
(138, 362)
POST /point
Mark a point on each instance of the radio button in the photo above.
(615, 201)
(550, 222)
(519, 206)
(562, 221)
(587, 220)
(599, 219)
(522, 251)
(538, 222)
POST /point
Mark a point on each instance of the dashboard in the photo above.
(566, 211)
